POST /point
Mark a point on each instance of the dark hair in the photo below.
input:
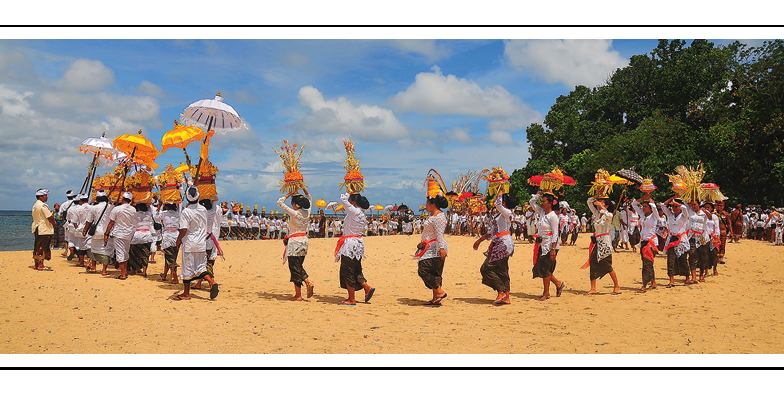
(100, 199)
(550, 198)
(360, 200)
(170, 206)
(141, 207)
(439, 201)
(301, 201)
(126, 200)
(207, 203)
(510, 201)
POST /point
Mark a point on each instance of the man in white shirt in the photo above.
(70, 250)
(99, 215)
(122, 226)
(43, 229)
(192, 241)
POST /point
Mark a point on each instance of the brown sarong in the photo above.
(42, 249)
(496, 274)
(351, 273)
(599, 268)
(170, 255)
(431, 272)
(139, 254)
(298, 273)
(544, 267)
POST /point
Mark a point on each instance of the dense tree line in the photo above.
(677, 105)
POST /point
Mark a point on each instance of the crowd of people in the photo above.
(692, 236)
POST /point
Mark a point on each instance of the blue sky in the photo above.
(409, 105)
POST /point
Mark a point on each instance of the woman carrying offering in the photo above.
(547, 244)
(432, 250)
(297, 242)
(495, 269)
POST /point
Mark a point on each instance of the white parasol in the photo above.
(331, 205)
(100, 147)
(212, 114)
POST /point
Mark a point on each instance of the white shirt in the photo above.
(171, 224)
(194, 219)
(95, 212)
(144, 227)
(649, 223)
(434, 229)
(124, 217)
(548, 223)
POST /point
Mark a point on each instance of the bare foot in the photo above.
(296, 299)
(543, 298)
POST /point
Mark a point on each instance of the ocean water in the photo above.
(15, 232)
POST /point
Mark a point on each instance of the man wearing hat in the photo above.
(76, 217)
(192, 241)
(63, 213)
(43, 229)
(99, 215)
(122, 226)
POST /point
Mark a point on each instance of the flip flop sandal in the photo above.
(369, 294)
(120, 277)
(310, 291)
(344, 303)
(179, 297)
(559, 290)
(214, 291)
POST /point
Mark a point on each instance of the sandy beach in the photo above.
(66, 311)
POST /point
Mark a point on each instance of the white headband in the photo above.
(127, 195)
(42, 192)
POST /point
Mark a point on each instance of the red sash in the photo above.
(537, 247)
(341, 241)
(676, 242)
(716, 242)
(650, 249)
(497, 236)
(590, 250)
(427, 244)
(287, 247)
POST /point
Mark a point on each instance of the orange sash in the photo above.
(287, 247)
(650, 249)
(537, 246)
(341, 241)
(676, 242)
(590, 250)
(427, 244)
(497, 236)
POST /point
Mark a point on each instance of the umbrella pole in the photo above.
(207, 135)
(187, 158)
(125, 172)
(92, 177)
(89, 173)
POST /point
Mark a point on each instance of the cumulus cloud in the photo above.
(135, 108)
(369, 123)
(438, 94)
(429, 48)
(459, 134)
(148, 88)
(501, 138)
(571, 62)
(86, 75)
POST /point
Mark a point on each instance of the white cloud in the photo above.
(14, 104)
(86, 75)
(459, 134)
(501, 138)
(135, 108)
(148, 88)
(369, 123)
(430, 48)
(438, 94)
(571, 62)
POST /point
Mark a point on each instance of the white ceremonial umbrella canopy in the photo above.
(212, 114)
(331, 205)
(388, 207)
(98, 145)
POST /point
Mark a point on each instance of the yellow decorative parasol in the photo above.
(320, 203)
(293, 179)
(181, 136)
(138, 148)
(354, 181)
